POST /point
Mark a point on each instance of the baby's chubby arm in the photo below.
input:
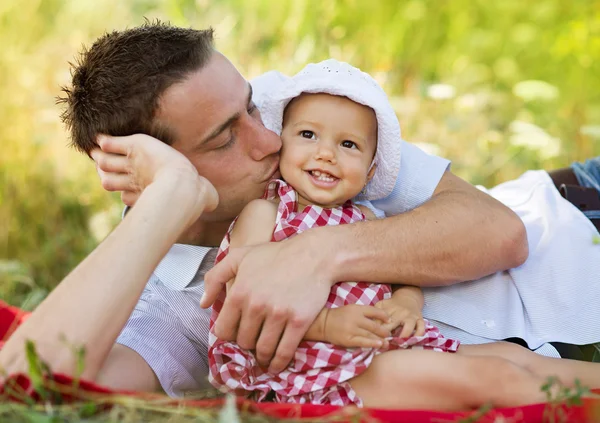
(351, 326)
(254, 225)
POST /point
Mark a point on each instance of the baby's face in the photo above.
(328, 145)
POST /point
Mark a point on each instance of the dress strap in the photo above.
(288, 198)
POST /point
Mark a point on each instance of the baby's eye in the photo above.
(308, 134)
(349, 144)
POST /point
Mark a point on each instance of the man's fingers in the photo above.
(218, 276)
(129, 198)
(249, 328)
(268, 340)
(408, 328)
(117, 145)
(115, 181)
(287, 346)
(109, 162)
(420, 330)
(226, 324)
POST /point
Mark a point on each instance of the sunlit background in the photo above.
(498, 87)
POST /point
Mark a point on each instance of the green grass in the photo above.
(519, 91)
(58, 403)
(102, 409)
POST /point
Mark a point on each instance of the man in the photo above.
(170, 83)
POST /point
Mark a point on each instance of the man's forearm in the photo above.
(460, 234)
(91, 305)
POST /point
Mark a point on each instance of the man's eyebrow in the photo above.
(228, 122)
(220, 129)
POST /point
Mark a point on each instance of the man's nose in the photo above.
(264, 142)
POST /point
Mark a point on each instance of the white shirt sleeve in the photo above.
(419, 175)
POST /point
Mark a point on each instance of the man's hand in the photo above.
(355, 326)
(403, 311)
(279, 289)
(129, 164)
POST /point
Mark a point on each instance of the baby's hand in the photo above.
(405, 312)
(356, 326)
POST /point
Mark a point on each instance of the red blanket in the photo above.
(11, 317)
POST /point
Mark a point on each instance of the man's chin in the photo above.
(205, 232)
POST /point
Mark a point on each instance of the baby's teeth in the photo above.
(321, 176)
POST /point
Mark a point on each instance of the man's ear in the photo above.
(371, 172)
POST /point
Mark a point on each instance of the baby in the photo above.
(341, 140)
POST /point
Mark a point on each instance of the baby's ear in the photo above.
(371, 172)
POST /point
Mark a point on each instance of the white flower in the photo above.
(533, 137)
(467, 102)
(590, 130)
(535, 90)
(441, 91)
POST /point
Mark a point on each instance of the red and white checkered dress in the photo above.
(319, 372)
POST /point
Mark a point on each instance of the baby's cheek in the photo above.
(285, 166)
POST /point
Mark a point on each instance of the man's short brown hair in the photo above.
(117, 83)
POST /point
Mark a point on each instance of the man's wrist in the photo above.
(180, 193)
(342, 251)
(321, 242)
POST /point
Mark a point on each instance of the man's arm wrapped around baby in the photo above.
(350, 326)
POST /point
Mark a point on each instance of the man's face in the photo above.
(219, 129)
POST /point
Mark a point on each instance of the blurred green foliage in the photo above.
(498, 87)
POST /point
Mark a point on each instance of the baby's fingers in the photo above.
(375, 328)
(376, 313)
(420, 330)
(408, 327)
(366, 340)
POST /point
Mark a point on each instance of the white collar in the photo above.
(179, 266)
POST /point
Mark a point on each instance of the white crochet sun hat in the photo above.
(338, 78)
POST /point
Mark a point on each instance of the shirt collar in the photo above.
(179, 266)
